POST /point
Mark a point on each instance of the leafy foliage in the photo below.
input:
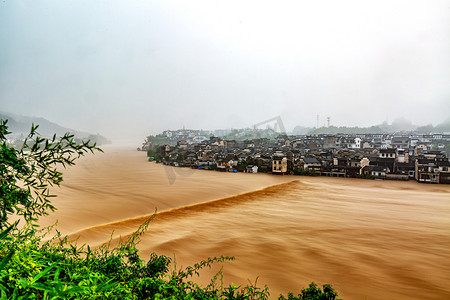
(58, 268)
(26, 174)
(313, 292)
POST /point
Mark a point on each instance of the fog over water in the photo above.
(126, 69)
(370, 239)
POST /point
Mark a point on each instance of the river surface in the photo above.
(370, 239)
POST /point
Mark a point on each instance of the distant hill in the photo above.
(397, 125)
(346, 130)
(440, 128)
(20, 127)
(443, 127)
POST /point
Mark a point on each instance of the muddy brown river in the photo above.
(369, 239)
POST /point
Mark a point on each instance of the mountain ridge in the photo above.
(20, 127)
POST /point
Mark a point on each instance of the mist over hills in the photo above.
(20, 127)
(400, 124)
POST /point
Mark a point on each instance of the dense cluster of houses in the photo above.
(385, 156)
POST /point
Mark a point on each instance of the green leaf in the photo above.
(5, 232)
(38, 276)
(55, 277)
(6, 259)
(41, 287)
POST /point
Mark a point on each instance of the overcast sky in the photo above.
(140, 67)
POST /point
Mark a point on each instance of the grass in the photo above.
(31, 268)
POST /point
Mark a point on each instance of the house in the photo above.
(230, 144)
(279, 164)
(400, 142)
(426, 170)
(356, 143)
(367, 145)
(165, 148)
(420, 149)
(310, 164)
(199, 139)
(353, 168)
(386, 159)
(406, 168)
(312, 145)
(252, 169)
(182, 144)
(249, 144)
(387, 153)
(433, 154)
(329, 141)
(444, 171)
(191, 158)
(375, 171)
(402, 156)
(283, 139)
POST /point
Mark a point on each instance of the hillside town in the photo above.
(396, 156)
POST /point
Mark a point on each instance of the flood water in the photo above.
(369, 239)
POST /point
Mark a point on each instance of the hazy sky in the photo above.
(114, 67)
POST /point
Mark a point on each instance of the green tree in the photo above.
(27, 173)
(313, 292)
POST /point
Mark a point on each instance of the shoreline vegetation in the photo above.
(31, 268)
